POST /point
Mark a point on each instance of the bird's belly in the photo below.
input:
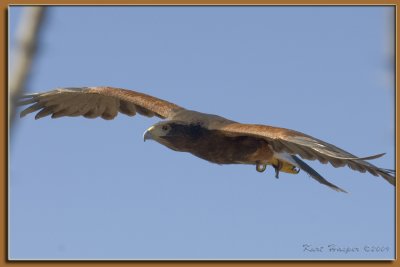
(233, 150)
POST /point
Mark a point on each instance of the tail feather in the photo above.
(305, 167)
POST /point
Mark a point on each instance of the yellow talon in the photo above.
(281, 166)
(285, 166)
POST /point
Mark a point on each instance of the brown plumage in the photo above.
(206, 136)
(92, 102)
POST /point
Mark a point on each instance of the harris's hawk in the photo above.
(210, 137)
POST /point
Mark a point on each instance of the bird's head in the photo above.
(173, 134)
(158, 131)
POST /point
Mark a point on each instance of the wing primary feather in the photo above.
(26, 102)
(373, 156)
(305, 167)
(29, 95)
(43, 113)
(30, 109)
(354, 158)
(388, 171)
(388, 175)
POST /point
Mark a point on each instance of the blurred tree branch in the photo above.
(26, 44)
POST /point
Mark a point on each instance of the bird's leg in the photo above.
(260, 167)
(277, 168)
(297, 170)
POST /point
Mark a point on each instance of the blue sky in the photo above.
(92, 189)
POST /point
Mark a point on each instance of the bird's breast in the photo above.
(218, 148)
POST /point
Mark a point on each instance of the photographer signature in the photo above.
(333, 248)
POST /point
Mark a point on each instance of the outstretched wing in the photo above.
(308, 147)
(93, 102)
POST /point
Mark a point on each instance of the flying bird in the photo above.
(209, 137)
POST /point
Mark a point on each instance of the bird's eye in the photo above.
(165, 127)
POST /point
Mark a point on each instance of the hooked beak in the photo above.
(148, 135)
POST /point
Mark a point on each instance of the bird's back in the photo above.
(209, 121)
